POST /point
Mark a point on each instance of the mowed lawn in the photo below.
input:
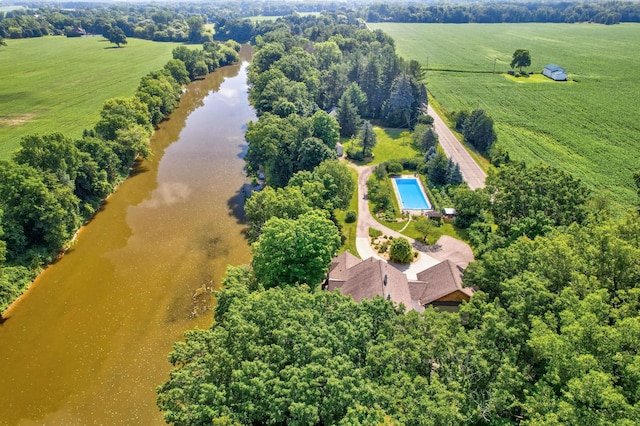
(588, 126)
(58, 84)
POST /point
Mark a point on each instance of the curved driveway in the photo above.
(471, 172)
(445, 248)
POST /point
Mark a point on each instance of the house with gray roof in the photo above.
(439, 286)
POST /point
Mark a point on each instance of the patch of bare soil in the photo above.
(16, 121)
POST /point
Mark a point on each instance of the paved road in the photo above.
(471, 172)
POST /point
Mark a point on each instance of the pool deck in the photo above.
(412, 212)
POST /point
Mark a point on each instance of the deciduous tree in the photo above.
(325, 128)
(537, 192)
(40, 214)
(196, 28)
(121, 114)
(116, 36)
(521, 59)
(401, 251)
(286, 203)
(423, 226)
(478, 131)
(295, 251)
(337, 181)
(312, 152)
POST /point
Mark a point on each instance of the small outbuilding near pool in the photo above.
(555, 72)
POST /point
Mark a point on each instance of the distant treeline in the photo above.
(568, 12)
(183, 22)
(54, 183)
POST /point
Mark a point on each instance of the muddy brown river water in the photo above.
(88, 342)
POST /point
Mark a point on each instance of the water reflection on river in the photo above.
(89, 341)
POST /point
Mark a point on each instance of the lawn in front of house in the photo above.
(391, 144)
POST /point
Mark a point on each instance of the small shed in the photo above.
(555, 72)
(339, 149)
(449, 213)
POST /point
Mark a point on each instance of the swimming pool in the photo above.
(410, 194)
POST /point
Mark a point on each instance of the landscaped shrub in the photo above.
(394, 167)
(411, 163)
(374, 233)
(388, 215)
(401, 251)
(380, 172)
(350, 217)
(355, 154)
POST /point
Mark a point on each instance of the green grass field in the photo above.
(390, 144)
(59, 84)
(588, 126)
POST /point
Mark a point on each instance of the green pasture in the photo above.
(390, 144)
(58, 84)
(588, 126)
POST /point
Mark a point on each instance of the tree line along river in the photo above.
(88, 342)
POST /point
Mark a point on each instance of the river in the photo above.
(88, 342)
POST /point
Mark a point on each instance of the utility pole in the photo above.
(427, 70)
(494, 65)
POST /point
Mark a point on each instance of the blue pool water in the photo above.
(412, 197)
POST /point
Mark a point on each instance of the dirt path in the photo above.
(471, 172)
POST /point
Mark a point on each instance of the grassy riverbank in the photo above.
(58, 84)
(587, 126)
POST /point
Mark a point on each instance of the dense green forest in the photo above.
(54, 183)
(550, 337)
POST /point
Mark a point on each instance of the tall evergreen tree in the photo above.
(403, 106)
(348, 116)
(367, 138)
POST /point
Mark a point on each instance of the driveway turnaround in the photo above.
(445, 248)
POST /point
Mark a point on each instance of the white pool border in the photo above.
(413, 212)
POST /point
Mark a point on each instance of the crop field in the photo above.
(588, 126)
(58, 84)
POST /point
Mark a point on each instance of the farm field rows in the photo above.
(588, 126)
(59, 84)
